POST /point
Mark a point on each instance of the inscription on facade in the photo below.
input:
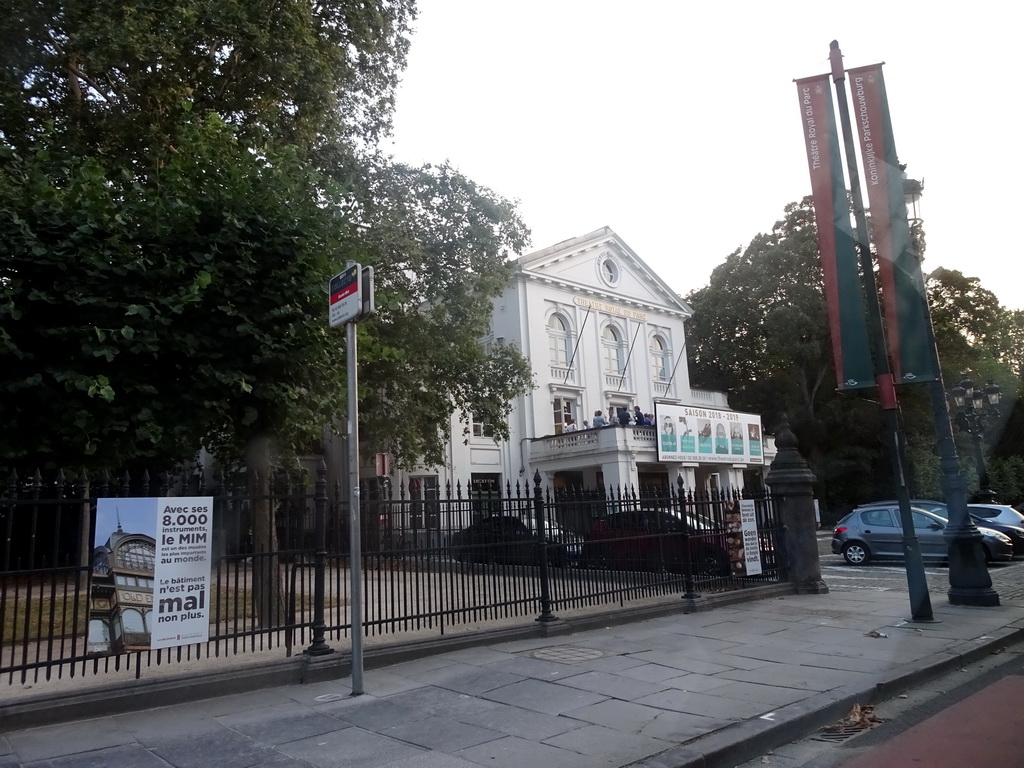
(610, 308)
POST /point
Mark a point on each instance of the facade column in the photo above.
(792, 486)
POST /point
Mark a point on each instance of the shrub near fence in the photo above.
(427, 563)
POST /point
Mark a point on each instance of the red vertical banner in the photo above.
(844, 298)
(904, 300)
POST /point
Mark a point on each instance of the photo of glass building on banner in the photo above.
(606, 337)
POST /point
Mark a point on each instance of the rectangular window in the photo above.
(564, 412)
(481, 428)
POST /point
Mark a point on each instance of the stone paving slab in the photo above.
(679, 690)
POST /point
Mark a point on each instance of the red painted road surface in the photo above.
(985, 730)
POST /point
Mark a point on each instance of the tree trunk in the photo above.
(268, 608)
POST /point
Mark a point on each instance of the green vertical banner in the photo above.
(844, 298)
(904, 301)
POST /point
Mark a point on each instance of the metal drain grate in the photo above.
(566, 654)
(837, 733)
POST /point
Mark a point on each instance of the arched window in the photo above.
(136, 555)
(559, 340)
(133, 621)
(614, 355)
(99, 636)
(661, 359)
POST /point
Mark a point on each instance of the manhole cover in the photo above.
(566, 654)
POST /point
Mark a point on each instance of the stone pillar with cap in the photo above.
(792, 485)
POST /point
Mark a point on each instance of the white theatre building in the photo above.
(603, 332)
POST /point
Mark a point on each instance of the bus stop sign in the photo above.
(346, 296)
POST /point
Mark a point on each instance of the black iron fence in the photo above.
(281, 570)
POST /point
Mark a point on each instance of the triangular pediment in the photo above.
(602, 264)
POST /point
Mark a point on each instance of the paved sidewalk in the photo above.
(704, 689)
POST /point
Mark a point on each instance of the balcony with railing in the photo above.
(709, 399)
(589, 442)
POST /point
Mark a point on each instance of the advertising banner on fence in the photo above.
(751, 541)
(844, 299)
(690, 434)
(899, 271)
(151, 573)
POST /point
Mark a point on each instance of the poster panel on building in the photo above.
(150, 583)
(844, 300)
(690, 434)
(904, 300)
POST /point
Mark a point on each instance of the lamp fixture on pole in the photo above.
(975, 407)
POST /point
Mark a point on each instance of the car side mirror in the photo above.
(936, 526)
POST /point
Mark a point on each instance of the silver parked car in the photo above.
(998, 517)
(875, 532)
(997, 513)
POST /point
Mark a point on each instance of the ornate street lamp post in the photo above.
(975, 407)
(969, 579)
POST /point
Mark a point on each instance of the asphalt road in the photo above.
(1007, 578)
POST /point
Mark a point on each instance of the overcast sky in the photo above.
(677, 123)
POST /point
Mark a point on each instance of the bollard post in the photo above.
(319, 646)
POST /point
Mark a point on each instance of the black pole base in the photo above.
(969, 579)
(977, 596)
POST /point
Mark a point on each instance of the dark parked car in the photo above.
(559, 534)
(998, 517)
(875, 532)
(647, 540)
(506, 539)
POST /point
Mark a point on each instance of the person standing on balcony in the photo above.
(570, 425)
(639, 418)
(623, 417)
(599, 420)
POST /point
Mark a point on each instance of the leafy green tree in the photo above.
(108, 77)
(760, 331)
(442, 244)
(192, 173)
(139, 320)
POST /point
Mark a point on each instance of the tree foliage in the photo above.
(178, 182)
(760, 332)
(140, 319)
(442, 244)
(109, 76)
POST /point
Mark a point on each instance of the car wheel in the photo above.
(855, 553)
(988, 553)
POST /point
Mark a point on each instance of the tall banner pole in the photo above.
(909, 326)
(917, 585)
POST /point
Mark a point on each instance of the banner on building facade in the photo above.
(690, 434)
(844, 297)
(899, 270)
(151, 565)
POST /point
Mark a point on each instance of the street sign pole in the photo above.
(354, 532)
(351, 300)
